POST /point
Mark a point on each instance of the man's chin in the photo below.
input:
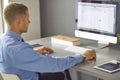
(24, 31)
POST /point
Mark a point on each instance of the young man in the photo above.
(18, 57)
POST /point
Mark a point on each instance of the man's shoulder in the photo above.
(9, 42)
(18, 47)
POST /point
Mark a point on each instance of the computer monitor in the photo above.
(97, 20)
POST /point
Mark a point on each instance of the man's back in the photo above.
(10, 45)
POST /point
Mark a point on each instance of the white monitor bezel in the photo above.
(105, 38)
(99, 37)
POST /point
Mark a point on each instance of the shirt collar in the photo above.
(14, 35)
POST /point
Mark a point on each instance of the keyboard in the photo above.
(76, 49)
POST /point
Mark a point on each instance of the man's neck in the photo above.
(14, 30)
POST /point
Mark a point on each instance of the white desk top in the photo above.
(103, 55)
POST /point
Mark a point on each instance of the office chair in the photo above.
(9, 76)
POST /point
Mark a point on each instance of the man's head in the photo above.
(17, 17)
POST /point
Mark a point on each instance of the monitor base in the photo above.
(98, 46)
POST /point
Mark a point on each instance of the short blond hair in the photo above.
(12, 10)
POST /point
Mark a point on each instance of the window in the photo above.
(3, 26)
(1, 19)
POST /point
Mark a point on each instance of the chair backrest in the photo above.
(9, 76)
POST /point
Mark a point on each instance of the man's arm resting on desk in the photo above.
(27, 59)
(88, 55)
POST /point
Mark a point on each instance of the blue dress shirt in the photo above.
(18, 57)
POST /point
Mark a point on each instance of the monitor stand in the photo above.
(98, 45)
(102, 45)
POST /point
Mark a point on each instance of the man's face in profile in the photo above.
(24, 22)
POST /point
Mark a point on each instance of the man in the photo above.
(18, 57)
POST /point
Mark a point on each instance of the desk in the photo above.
(103, 55)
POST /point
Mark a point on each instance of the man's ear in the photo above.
(17, 21)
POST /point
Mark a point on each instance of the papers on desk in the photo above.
(36, 46)
(110, 67)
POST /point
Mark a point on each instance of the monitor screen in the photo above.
(97, 20)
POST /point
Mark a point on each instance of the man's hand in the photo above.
(89, 55)
(44, 50)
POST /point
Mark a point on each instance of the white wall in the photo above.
(57, 17)
(34, 30)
